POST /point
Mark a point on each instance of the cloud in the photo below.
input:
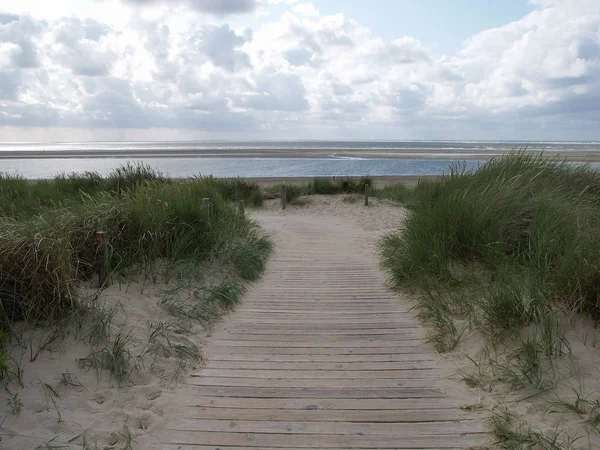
(405, 50)
(221, 45)
(9, 84)
(17, 34)
(276, 92)
(298, 56)
(78, 47)
(302, 73)
(216, 7)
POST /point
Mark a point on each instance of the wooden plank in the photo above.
(216, 349)
(273, 365)
(376, 322)
(358, 290)
(356, 334)
(333, 301)
(317, 327)
(317, 344)
(295, 415)
(336, 383)
(315, 403)
(324, 336)
(323, 306)
(330, 428)
(231, 356)
(317, 341)
(315, 374)
(308, 313)
(324, 441)
(324, 393)
(246, 447)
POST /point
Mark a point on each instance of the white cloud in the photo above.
(306, 9)
(300, 74)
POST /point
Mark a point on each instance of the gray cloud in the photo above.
(403, 51)
(216, 7)
(221, 45)
(277, 92)
(94, 30)
(20, 31)
(9, 84)
(8, 18)
(79, 49)
(298, 56)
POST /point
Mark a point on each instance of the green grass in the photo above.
(513, 433)
(237, 189)
(399, 193)
(338, 185)
(320, 186)
(21, 198)
(525, 230)
(502, 251)
(115, 357)
(146, 218)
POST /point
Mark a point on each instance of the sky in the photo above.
(74, 70)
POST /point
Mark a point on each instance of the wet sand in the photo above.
(405, 153)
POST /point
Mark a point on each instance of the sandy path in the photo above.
(320, 354)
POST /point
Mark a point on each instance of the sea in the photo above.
(266, 159)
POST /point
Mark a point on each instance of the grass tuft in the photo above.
(116, 358)
(513, 433)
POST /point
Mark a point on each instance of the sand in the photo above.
(97, 409)
(92, 407)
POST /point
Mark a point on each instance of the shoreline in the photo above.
(327, 153)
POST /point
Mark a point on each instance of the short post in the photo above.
(366, 195)
(102, 242)
(241, 207)
(283, 196)
(207, 207)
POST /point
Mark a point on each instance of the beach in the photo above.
(196, 319)
(278, 160)
(87, 150)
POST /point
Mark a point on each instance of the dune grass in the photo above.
(156, 229)
(320, 186)
(506, 243)
(48, 228)
(20, 197)
(503, 247)
(237, 189)
(399, 193)
(508, 254)
(338, 185)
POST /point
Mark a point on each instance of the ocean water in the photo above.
(233, 159)
(238, 167)
(221, 147)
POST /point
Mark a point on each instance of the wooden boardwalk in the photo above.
(319, 355)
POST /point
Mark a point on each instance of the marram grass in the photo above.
(45, 255)
(502, 245)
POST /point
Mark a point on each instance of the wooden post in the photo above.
(366, 195)
(283, 196)
(241, 207)
(102, 260)
(207, 207)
